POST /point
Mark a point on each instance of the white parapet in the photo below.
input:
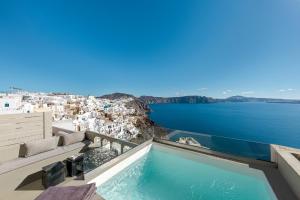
(288, 165)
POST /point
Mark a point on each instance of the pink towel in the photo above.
(83, 192)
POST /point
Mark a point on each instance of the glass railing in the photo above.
(237, 147)
(94, 158)
(108, 148)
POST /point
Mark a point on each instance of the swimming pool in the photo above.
(167, 173)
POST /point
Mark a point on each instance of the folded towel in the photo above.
(83, 192)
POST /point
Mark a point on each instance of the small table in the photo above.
(74, 165)
(53, 174)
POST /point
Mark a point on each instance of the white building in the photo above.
(10, 104)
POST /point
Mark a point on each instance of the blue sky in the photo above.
(152, 47)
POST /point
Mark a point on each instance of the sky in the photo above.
(152, 47)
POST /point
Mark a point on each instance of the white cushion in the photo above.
(73, 138)
(60, 134)
(39, 146)
(21, 162)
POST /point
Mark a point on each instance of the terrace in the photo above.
(22, 178)
(106, 157)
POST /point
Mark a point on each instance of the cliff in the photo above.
(143, 101)
(183, 99)
(137, 103)
(116, 95)
(254, 99)
(143, 123)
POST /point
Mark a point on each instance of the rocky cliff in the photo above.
(143, 101)
(143, 123)
(183, 99)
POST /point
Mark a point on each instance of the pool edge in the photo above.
(107, 172)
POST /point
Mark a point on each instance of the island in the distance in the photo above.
(194, 99)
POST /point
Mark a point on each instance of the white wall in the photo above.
(288, 165)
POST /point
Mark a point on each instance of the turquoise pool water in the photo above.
(170, 174)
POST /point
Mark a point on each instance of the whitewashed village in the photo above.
(119, 118)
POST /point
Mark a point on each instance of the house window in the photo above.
(6, 105)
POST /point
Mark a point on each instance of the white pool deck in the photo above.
(275, 176)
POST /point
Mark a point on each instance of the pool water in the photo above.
(166, 173)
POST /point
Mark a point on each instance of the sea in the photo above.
(271, 123)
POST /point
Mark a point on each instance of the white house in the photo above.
(10, 103)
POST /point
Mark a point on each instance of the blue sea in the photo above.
(273, 123)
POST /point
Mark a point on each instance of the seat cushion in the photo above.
(73, 138)
(60, 134)
(35, 147)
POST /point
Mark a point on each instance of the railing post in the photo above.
(122, 148)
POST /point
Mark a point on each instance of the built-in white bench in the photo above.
(21, 162)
